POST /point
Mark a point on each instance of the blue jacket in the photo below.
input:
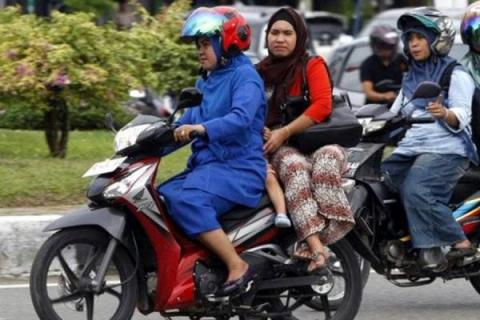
(230, 162)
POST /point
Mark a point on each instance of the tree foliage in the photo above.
(67, 61)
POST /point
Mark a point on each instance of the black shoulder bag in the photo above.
(341, 127)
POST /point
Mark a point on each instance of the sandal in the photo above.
(301, 251)
(457, 253)
(319, 262)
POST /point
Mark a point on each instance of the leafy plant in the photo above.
(68, 62)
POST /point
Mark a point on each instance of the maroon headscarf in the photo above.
(279, 73)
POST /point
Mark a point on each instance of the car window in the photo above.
(350, 79)
(336, 63)
(256, 35)
(324, 32)
(257, 50)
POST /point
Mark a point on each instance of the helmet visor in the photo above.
(203, 23)
(471, 30)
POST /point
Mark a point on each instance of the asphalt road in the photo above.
(382, 301)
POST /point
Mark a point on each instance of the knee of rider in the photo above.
(414, 194)
(329, 151)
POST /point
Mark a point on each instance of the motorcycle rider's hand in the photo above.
(437, 110)
(390, 96)
(182, 133)
(277, 138)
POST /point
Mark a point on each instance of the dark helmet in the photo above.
(433, 20)
(225, 22)
(384, 36)
(470, 27)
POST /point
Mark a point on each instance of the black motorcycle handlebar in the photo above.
(196, 134)
(420, 120)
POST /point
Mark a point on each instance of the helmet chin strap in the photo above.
(217, 48)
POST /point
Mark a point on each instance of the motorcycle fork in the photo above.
(98, 282)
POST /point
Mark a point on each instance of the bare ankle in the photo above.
(237, 270)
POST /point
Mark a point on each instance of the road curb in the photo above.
(20, 238)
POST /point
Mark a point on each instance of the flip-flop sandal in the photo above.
(301, 251)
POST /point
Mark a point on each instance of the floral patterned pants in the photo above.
(313, 191)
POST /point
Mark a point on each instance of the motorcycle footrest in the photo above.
(293, 282)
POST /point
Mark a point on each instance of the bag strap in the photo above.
(447, 76)
(305, 90)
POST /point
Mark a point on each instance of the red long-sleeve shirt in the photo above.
(319, 87)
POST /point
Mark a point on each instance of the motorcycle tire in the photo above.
(58, 249)
(475, 281)
(347, 307)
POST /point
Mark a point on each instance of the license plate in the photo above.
(104, 167)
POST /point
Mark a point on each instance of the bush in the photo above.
(73, 71)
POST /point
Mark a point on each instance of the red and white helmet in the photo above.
(226, 22)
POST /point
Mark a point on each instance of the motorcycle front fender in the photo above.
(111, 220)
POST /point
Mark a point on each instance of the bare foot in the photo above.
(302, 252)
(463, 244)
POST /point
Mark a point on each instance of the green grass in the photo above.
(29, 177)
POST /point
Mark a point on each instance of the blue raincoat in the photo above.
(227, 168)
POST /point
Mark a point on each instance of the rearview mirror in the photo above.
(189, 97)
(427, 89)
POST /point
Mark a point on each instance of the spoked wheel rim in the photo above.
(75, 283)
(63, 280)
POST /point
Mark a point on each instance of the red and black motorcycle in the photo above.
(123, 252)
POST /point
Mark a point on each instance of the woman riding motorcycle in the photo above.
(227, 167)
(431, 158)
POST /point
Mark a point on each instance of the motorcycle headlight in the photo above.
(369, 125)
(128, 136)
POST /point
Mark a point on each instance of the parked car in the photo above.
(327, 30)
(345, 66)
(391, 16)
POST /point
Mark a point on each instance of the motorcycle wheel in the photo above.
(59, 274)
(475, 281)
(346, 273)
(335, 297)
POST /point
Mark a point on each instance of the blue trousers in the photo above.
(194, 210)
(425, 183)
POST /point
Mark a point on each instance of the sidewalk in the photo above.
(21, 236)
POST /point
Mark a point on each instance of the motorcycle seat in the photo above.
(238, 214)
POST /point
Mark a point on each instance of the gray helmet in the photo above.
(384, 35)
(434, 20)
